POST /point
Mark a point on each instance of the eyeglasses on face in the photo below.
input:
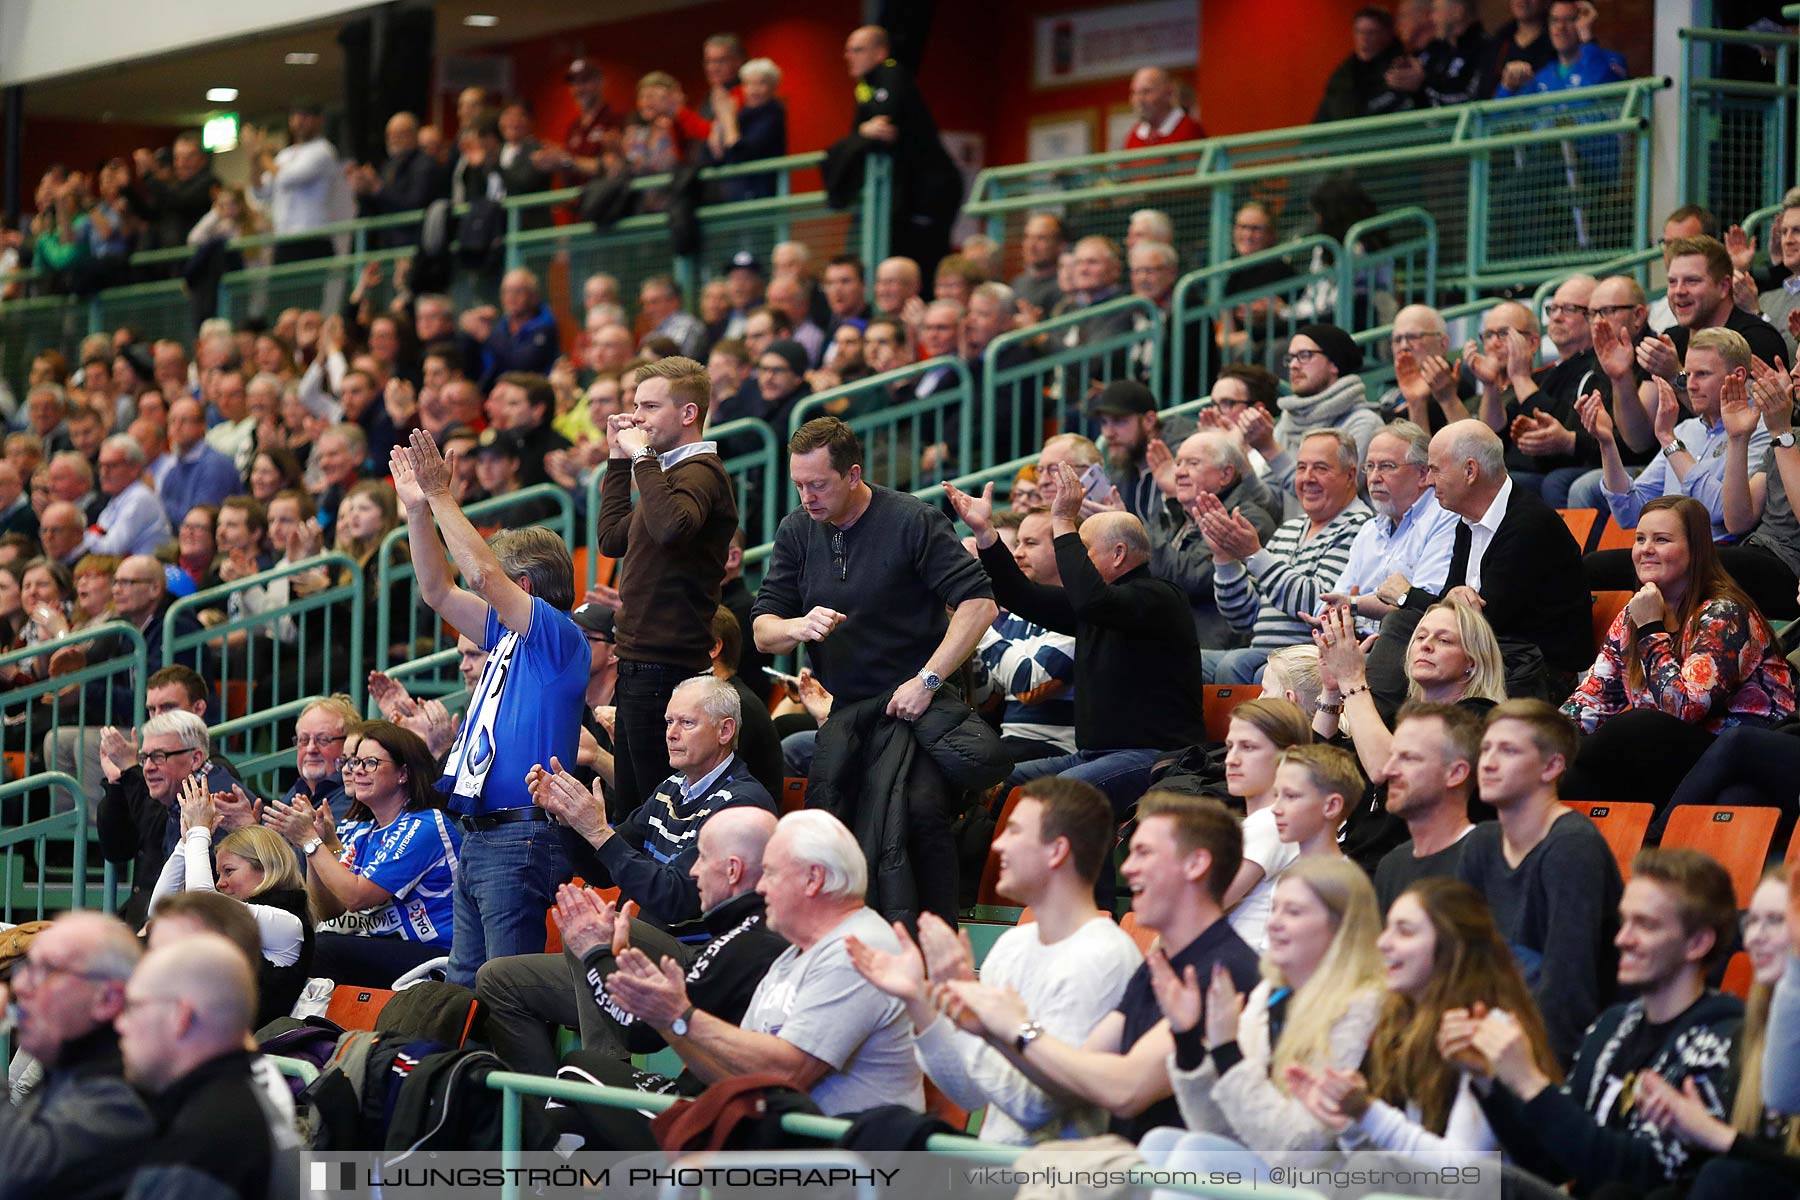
(157, 758)
(317, 739)
(1300, 356)
(370, 764)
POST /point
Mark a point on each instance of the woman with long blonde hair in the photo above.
(1442, 953)
(1316, 1006)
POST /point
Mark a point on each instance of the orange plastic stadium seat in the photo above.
(1218, 700)
(357, 1007)
(1607, 606)
(1623, 825)
(990, 870)
(1580, 522)
(1738, 837)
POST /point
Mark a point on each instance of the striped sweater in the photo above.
(1036, 668)
(1264, 595)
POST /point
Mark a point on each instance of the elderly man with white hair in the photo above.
(1211, 462)
(1511, 556)
(133, 521)
(813, 1020)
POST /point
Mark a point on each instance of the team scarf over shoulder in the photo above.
(472, 756)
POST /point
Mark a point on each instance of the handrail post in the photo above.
(1690, 128)
(1475, 237)
(877, 209)
(515, 258)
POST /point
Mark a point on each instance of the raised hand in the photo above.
(1539, 434)
(295, 820)
(1439, 375)
(1521, 350)
(1161, 461)
(948, 954)
(1178, 996)
(1340, 651)
(118, 751)
(406, 485)
(1224, 1008)
(584, 918)
(1735, 410)
(1410, 377)
(430, 469)
(197, 810)
(1258, 430)
(1613, 349)
(1773, 391)
(813, 697)
(977, 512)
(391, 698)
(561, 795)
(1488, 369)
(900, 973)
(1592, 410)
(1741, 247)
(1657, 356)
(1668, 411)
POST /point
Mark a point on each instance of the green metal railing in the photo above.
(423, 633)
(632, 250)
(895, 437)
(60, 824)
(1737, 140)
(514, 1087)
(1214, 326)
(50, 719)
(1041, 378)
(269, 666)
(1511, 184)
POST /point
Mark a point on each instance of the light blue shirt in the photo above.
(702, 786)
(1705, 480)
(133, 522)
(1419, 547)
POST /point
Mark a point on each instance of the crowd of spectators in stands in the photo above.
(1379, 920)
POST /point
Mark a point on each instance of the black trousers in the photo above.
(1745, 766)
(641, 754)
(1639, 755)
(303, 250)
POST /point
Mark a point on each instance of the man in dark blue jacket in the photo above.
(522, 336)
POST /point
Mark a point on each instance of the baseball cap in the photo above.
(581, 68)
(595, 618)
(1124, 398)
(498, 441)
(743, 260)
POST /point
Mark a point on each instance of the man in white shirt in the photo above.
(299, 184)
(1070, 966)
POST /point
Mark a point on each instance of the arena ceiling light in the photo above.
(301, 58)
(481, 20)
(221, 95)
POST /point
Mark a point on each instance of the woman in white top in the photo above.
(1443, 955)
(1315, 1007)
(1260, 730)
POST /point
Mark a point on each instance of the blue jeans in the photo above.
(1586, 492)
(1232, 666)
(1123, 775)
(1559, 483)
(506, 880)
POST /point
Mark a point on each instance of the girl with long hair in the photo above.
(1442, 953)
(1259, 731)
(1689, 656)
(1315, 1007)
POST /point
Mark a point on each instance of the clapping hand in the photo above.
(197, 809)
(1178, 996)
(1591, 408)
(561, 795)
(295, 820)
(1488, 369)
(1613, 348)
(654, 993)
(1773, 390)
(118, 751)
(900, 973)
(1735, 410)
(1668, 411)
(1657, 356)
(948, 953)
(1224, 1008)
(1161, 461)
(588, 921)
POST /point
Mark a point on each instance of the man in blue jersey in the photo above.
(526, 708)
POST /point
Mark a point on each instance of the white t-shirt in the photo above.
(1264, 847)
(1067, 986)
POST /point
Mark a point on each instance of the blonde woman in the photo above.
(1316, 1007)
(1452, 658)
(253, 866)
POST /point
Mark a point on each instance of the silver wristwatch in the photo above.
(641, 453)
(310, 845)
(931, 679)
(1786, 440)
(1029, 1032)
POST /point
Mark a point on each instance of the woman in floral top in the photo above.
(1689, 656)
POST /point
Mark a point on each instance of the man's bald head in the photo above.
(742, 832)
(877, 36)
(1116, 543)
(186, 1005)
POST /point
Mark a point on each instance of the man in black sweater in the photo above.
(672, 543)
(1544, 869)
(1514, 559)
(183, 1030)
(1136, 657)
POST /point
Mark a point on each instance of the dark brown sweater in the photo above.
(671, 545)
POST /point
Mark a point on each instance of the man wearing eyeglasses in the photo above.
(79, 1128)
(137, 819)
(1428, 389)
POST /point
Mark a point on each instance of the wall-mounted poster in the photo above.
(1105, 43)
(1060, 135)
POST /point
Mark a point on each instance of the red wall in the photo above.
(78, 145)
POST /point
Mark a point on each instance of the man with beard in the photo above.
(1410, 537)
(1322, 361)
(1430, 774)
(1129, 422)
